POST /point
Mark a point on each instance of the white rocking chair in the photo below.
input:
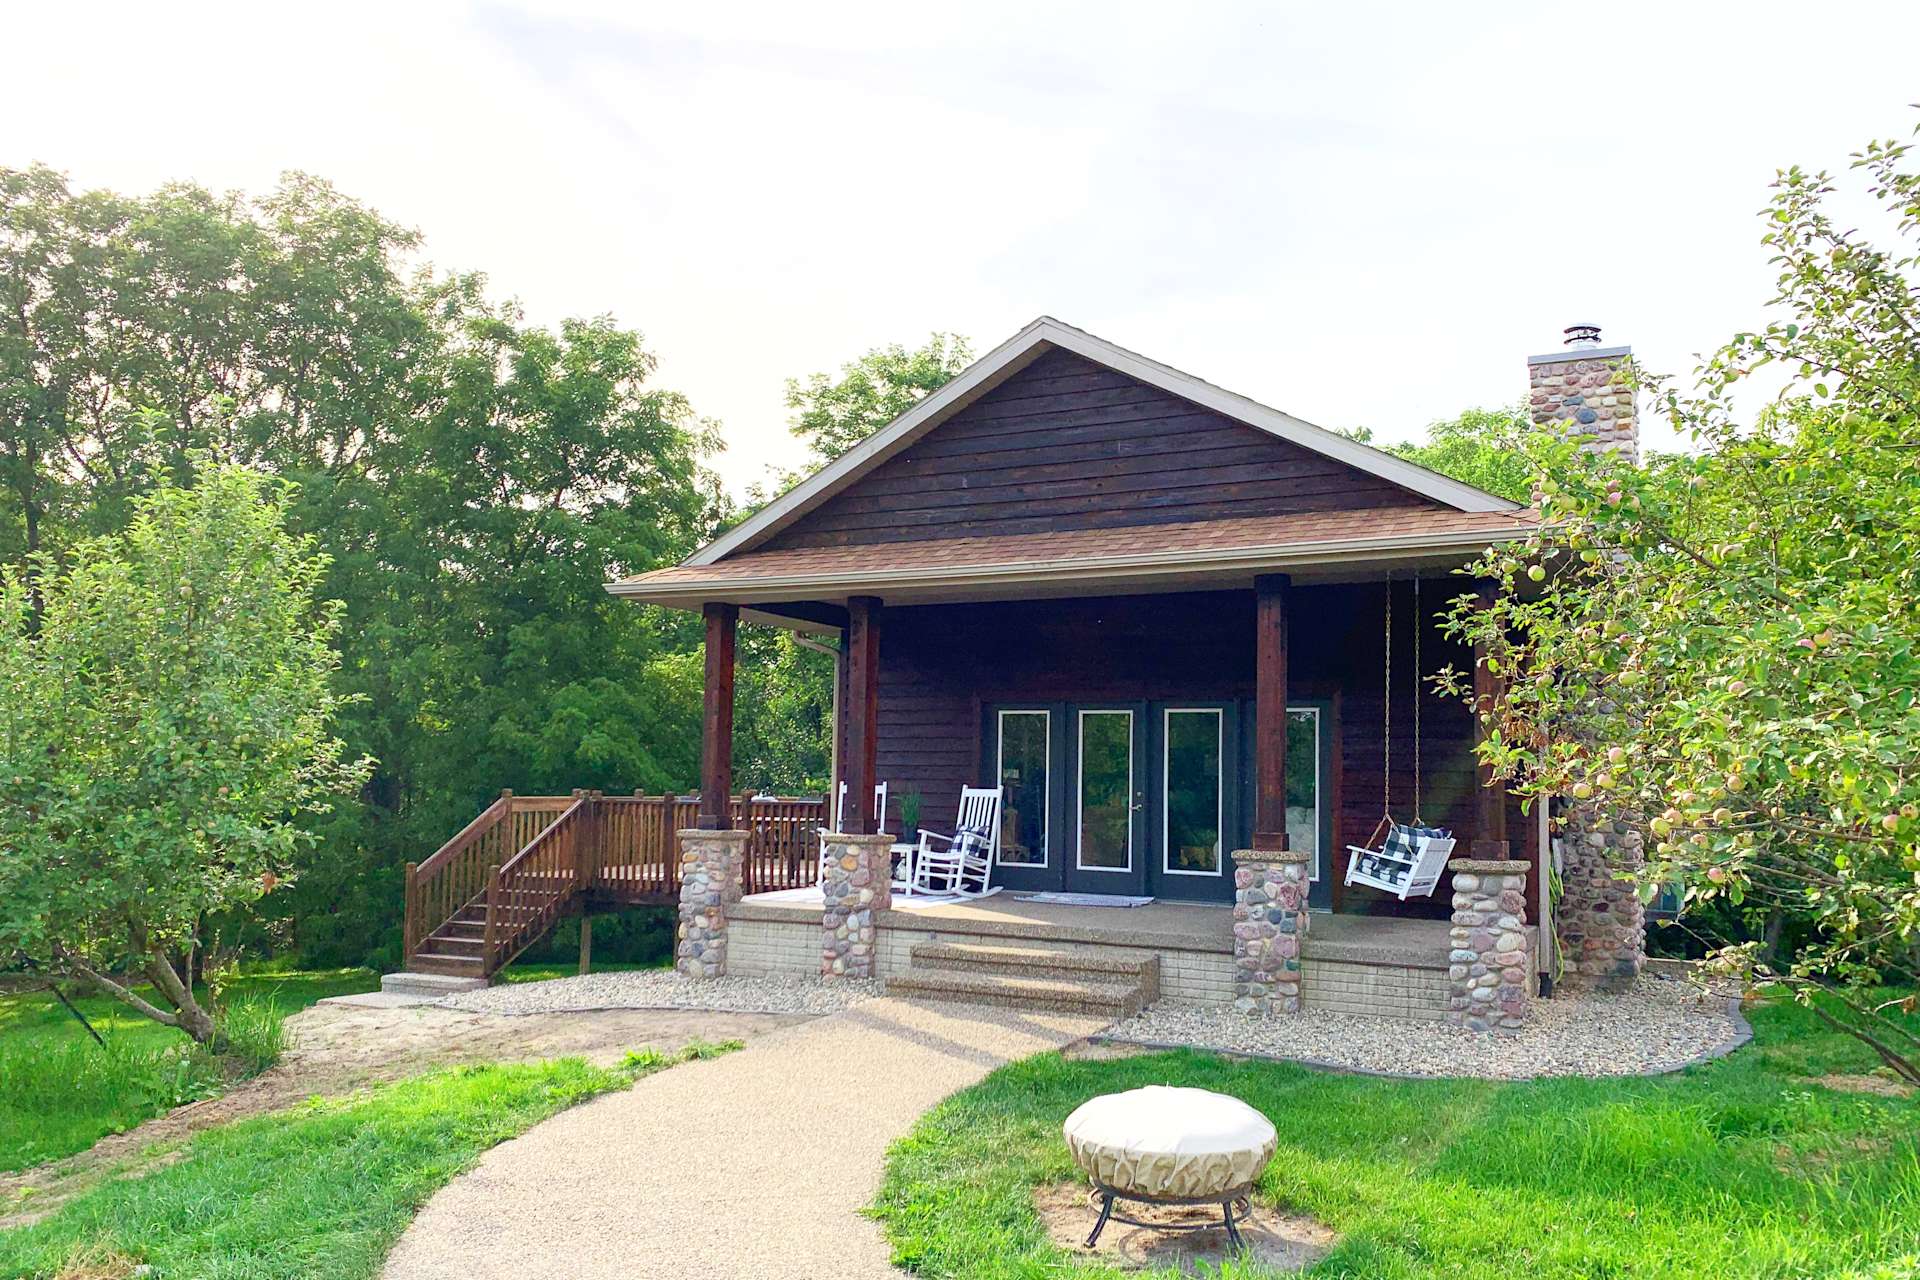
(1407, 864)
(961, 865)
(840, 816)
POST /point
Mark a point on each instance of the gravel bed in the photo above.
(1661, 1025)
(665, 989)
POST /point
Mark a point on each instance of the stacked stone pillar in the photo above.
(858, 886)
(711, 863)
(1489, 971)
(1269, 923)
(1600, 919)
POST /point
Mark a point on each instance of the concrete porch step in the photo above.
(430, 986)
(1056, 995)
(1085, 964)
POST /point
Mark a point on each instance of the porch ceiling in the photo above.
(1166, 557)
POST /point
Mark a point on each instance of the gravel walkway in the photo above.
(665, 989)
(1663, 1024)
(752, 1164)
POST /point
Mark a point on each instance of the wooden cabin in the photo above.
(1168, 621)
(1155, 612)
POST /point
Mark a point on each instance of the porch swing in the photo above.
(1409, 861)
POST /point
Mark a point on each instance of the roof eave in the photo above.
(1079, 570)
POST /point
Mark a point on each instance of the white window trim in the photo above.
(1080, 790)
(1319, 854)
(1219, 790)
(1000, 774)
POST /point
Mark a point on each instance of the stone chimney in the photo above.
(1600, 924)
(1580, 390)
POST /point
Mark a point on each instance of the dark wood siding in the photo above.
(1068, 444)
(940, 664)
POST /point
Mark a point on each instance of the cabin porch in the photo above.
(1383, 966)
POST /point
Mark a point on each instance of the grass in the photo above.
(60, 1092)
(321, 1190)
(1744, 1167)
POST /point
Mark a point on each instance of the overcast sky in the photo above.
(1361, 214)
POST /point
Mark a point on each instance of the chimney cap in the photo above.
(1580, 342)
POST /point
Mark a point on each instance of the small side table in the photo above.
(901, 864)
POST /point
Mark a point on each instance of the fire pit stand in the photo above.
(1235, 1209)
(1173, 1147)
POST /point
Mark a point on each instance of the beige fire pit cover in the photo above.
(1168, 1142)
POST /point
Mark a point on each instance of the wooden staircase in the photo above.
(526, 862)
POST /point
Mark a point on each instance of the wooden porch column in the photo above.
(1490, 797)
(1270, 711)
(863, 707)
(716, 722)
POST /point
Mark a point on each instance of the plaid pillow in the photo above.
(969, 842)
(1400, 841)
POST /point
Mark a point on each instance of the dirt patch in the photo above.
(101, 1264)
(1278, 1241)
(1880, 1086)
(1095, 1050)
(339, 1048)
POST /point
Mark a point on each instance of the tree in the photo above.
(472, 479)
(1480, 447)
(1725, 645)
(834, 414)
(165, 727)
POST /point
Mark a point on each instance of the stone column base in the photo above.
(710, 867)
(858, 883)
(1600, 919)
(1489, 984)
(1269, 919)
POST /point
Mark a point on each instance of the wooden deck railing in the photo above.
(620, 849)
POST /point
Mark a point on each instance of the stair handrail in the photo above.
(516, 917)
(440, 887)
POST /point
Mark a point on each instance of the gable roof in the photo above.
(1045, 334)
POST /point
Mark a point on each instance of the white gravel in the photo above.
(666, 989)
(1661, 1025)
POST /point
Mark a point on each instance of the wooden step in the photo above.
(454, 966)
(441, 944)
(1056, 995)
(1091, 964)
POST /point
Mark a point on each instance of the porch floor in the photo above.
(1165, 926)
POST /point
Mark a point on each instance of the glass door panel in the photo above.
(1303, 785)
(1191, 807)
(1106, 791)
(1025, 743)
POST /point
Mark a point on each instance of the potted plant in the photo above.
(909, 817)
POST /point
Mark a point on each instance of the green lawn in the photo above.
(1744, 1167)
(61, 1093)
(322, 1190)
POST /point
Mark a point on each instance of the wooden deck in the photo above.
(529, 861)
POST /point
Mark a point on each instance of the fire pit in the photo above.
(1169, 1146)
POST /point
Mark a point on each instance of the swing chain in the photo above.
(1419, 622)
